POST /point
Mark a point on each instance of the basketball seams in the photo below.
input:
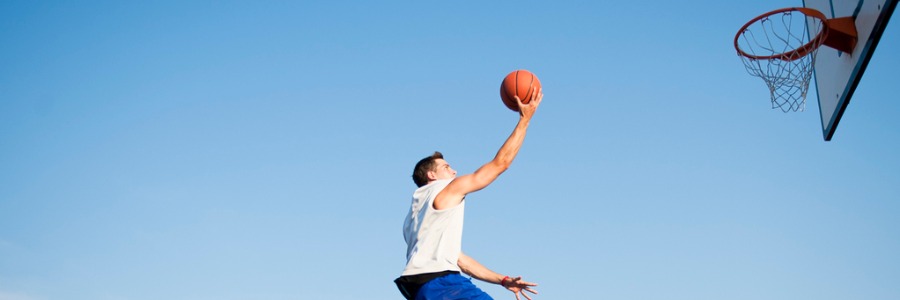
(505, 95)
(517, 83)
(527, 96)
(531, 88)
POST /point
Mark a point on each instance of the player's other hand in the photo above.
(516, 284)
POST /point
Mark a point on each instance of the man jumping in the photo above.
(433, 227)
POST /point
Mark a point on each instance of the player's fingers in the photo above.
(518, 100)
(537, 96)
(526, 296)
(518, 280)
(530, 290)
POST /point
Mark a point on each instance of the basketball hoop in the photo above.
(780, 47)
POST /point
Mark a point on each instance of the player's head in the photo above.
(432, 168)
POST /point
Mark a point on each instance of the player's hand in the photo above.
(519, 286)
(527, 110)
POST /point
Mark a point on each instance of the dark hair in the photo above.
(420, 173)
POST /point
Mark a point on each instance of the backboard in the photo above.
(836, 73)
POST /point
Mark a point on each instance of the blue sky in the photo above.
(245, 150)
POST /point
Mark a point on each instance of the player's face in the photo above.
(443, 170)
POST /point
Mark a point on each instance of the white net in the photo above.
(777, 48)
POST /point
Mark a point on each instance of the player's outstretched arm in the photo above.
(454, 193)
(514, 284)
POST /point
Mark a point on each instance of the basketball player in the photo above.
(433, 228)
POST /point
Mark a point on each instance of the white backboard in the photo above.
(836, 73)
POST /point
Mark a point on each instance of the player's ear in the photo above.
(431, 176)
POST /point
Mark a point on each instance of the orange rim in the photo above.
(790, 55)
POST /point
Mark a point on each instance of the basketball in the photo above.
(518, 83)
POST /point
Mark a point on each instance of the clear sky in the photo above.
(263, 150)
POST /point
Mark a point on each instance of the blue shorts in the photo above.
(451, 287)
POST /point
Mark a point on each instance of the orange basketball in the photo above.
(518, 83)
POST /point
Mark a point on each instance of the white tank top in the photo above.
(433, 237)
